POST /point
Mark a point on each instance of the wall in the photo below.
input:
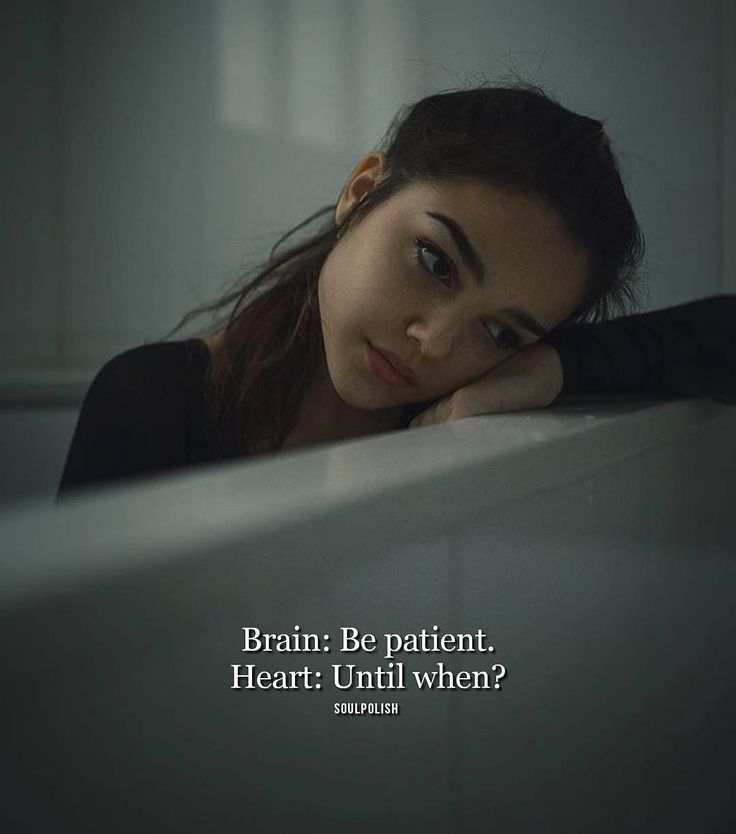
(31, 171)
(727, 25)
(34, 446)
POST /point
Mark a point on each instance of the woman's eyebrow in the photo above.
(465, 247)
(474, 264)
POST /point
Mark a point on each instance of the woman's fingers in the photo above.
(465, 402)
(531, 378)
(438, 412)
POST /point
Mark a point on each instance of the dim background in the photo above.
(152, 150)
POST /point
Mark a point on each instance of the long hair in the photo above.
(268, 336)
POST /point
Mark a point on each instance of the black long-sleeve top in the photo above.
(689, 350)
(145, 410)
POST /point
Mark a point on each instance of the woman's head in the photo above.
(447, 278)
(492, 216)
(500, 184)
(519, 140)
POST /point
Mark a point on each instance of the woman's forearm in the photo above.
(685, 350)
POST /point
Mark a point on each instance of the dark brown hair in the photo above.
(268, 332)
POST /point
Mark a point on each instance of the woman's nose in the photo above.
(435, 334)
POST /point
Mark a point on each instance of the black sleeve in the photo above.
(133, 418)
(685, 350)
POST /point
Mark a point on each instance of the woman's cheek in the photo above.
(473, 370)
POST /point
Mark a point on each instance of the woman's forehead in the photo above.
(489, 213)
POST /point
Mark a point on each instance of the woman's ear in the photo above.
(364, 178)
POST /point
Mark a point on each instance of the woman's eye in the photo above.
(434, 262)
(504, 337)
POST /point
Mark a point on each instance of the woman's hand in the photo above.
(531, 378)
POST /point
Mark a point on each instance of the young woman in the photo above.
(459, 273)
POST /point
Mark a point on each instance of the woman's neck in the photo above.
(324, 417)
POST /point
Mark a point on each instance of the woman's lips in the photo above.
(388, 367)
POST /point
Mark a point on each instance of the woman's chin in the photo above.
(367, 399)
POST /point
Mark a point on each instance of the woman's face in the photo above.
(438, 284)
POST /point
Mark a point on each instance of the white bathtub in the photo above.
(593, 544)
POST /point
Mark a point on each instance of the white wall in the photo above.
(34, 444)
(31, 173)
(727, 25)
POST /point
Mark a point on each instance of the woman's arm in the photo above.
(684, 350)
(687, 350)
